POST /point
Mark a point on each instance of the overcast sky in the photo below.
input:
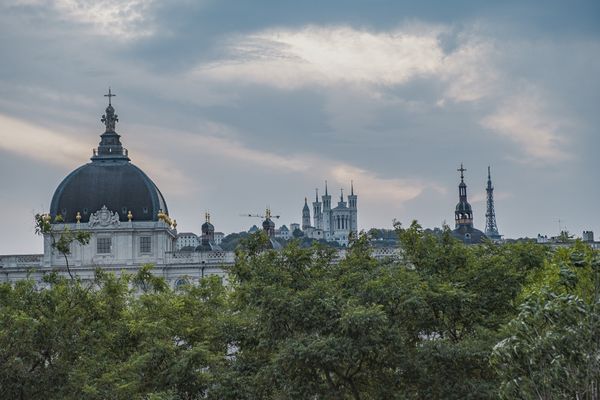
(233, 106)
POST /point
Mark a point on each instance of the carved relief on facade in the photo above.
(104, 218)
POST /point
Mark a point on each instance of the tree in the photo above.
(552, 348)
(60, 240)
(130, 337)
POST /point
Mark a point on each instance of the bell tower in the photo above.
(463, 215)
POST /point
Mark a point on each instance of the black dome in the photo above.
(207, 227)
(116, 184)
(109, 180)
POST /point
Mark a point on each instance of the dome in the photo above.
(120, 186)
(207, 227)
(468, 234)
(110, 180)
(268, 224)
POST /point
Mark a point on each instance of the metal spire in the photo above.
(326, 194)
(351, 188)
(491, 229)
(317, 195)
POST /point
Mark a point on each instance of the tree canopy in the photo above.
(442, 321)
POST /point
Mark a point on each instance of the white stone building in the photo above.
(127, 217)
(332, 224)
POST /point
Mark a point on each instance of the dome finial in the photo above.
(109, 95)
(110, 118)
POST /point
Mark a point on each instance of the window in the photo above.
(103, 245)
(145, 244)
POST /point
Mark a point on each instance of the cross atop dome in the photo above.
(110, 118)
(109, 95)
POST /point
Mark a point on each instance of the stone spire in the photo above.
(305, 215)
(110, 147)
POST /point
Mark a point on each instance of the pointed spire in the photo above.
(207, 216)
(351, 188)
(317, 195)
(326, 194)
(341, 194)
(491, 228)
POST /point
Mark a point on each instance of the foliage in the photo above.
(442, 321)
(60, 240)
(421, 327)
(107, 340)
(552, 348)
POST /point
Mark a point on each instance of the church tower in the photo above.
(491, 229)
(327, 228)
(353, 209)
(305, 216)
(463, 215)
(317, 213)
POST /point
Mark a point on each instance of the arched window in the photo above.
(180, 282)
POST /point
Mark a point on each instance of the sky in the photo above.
(233, 106)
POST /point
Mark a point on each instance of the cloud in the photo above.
(121, 19)
(39, 143)
(469, 72)
(326, 56)
(376, 189)
(524, 120)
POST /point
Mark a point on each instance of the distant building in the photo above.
(588, 236)
(253, 229)
(207, 240)
(219, 236)
(186, 240)
(127, 219)
(463, 216)
(283, 233)
(332, 224)
(542, 239)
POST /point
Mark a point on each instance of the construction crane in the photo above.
(268, 224)
(267, 215)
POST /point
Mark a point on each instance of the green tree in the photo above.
(551, 349)
(60, 240)
(113, 338)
